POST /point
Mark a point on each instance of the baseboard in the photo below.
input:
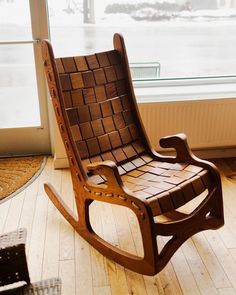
(201, 153)
(213, 153)
(60, 162)
(216, 153)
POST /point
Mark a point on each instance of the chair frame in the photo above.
(208, 215)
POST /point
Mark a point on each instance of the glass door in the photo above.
(24, 127)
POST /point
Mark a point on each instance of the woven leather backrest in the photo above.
(98, 106)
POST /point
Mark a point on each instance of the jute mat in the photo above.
(18, 172)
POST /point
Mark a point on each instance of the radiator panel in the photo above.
(207, 123)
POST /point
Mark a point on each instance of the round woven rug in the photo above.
(18, 172)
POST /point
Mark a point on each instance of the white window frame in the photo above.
(183, 89)
(32, 139)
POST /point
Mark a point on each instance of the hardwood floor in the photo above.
(205, 264)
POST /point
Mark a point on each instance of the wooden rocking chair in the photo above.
(111, 159)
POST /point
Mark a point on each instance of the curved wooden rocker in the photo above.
(111, 159)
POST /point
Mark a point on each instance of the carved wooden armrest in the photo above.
(179, 143)
(114, 182)
(184, 154)
(109, 170)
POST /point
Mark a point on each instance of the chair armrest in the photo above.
(116, 192)
(179, 143)
(109, 170)
(114, 182)
(184, 154)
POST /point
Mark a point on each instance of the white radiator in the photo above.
(210, 125)
(207, 123)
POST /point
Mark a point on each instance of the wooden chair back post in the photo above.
(77, 171)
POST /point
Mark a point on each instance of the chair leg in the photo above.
(208, 215)
(216, 212)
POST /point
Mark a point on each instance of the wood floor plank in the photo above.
(67, 234)
(228, 187)
(52, 246)
(117, 278)
(168, 278)
(50, 267)
(83, 268)
(4, 209)
(28, 210)
(37, 242)
(230, 223)
(98, 261)
(109, 232)
(169, 281)
(184, 274)
(36, 248)
(116, 273)
(153, 285)
(102, 291)
(67, 275)
(223, 254)
(226, 291)
(14, 212)
(123, 229)
(199, 271)
(211, 262)
(227, 235)
(135, 232)
(135, 281)
(99, 269)
(233, 253)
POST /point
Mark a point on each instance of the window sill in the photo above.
(185, 90)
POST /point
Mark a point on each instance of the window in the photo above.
(23, 112)
(18, 86)
(165, 38)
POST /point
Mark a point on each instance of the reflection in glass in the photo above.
(189, 38)
(15, 23)
(18, 90)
